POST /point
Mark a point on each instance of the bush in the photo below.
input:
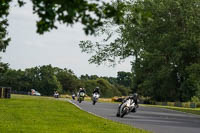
(117, 99)
(195, 99)
(145, 100)
(178, 104)
(158, 103)
(198, 105)
(170, 103)
(186, 105)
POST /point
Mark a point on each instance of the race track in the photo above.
(157, 120)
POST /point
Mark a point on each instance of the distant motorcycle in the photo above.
(127, 107)
(56, 95)
(81, 97)
(95, 98)
(73, 96)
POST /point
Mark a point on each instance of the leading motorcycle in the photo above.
(127, 107)
(81, 97)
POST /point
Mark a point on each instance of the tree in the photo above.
(123, 90)
(48, 81)
(111, 80)
(90, 13)
(108, 89)
(109, 86)
(70, 83)
(124, 78)
(4, 11)
(3, 67)
(15, 79)
(87, 77)
(163, 37)
(43, 79)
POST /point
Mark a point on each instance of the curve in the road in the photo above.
(158, 120)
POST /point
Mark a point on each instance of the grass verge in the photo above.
(181, 109)
(29, 114)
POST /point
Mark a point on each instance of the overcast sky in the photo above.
(59, 47)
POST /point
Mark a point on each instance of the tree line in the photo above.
(47, 79)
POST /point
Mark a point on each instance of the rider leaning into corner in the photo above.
(135, 99)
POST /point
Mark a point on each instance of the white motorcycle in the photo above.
(95, 98)
(127, 107)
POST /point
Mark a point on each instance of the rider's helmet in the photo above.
(135, 95)
(97, 88)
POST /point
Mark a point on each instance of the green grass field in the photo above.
(29, 114)
(181, 109)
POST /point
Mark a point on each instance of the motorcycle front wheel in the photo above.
(123, 111)
(79, 100)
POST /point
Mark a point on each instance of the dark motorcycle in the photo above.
(81, 97)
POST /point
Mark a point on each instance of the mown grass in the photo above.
(29, 114)
(181, 109)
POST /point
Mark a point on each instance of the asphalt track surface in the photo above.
(157, 120)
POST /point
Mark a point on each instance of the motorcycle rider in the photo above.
(81, 90)
(73, 96)
(56, 94)
(96, 90)
(134, 97)
(95, 95)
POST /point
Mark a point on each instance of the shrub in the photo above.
(195, 99)
(198, 105)
(178, 104)
(186, 104)
(117, 99)
(170, 103)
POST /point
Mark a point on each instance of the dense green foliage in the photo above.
(109, 86)
(4, 40)
(26, 114)
(164, 39)
(3, 67)
(89, 13)
(47, 79)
